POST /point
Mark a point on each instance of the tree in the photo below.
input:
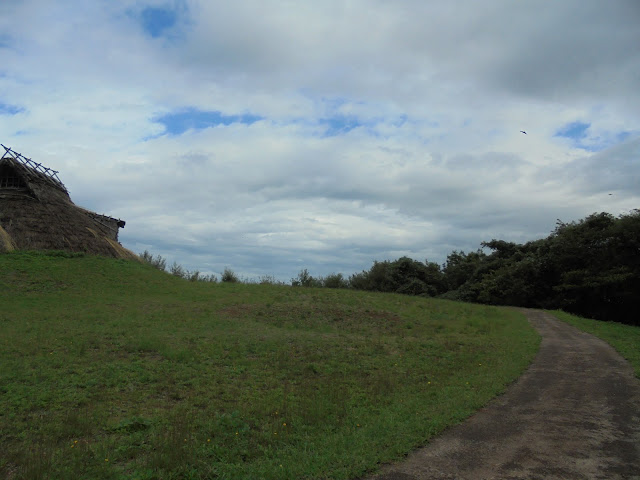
(597, 266)
(460, 268)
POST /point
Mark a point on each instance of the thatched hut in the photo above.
(36, 213)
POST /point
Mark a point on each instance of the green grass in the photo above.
(112, 369)
(624, 338)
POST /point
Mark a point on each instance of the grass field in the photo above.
(112, 369)
(624, 338)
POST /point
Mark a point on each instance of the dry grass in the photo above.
(6, 244)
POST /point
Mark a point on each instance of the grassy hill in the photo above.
(112, 369)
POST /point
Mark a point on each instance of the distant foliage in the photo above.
(175, 269)
(269, 280)
(590, 268)
(404, 275)
(229, 276)
(304, 279)
(193, 276)
(335, 280)
(156, 262)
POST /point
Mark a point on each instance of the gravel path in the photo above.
(574, 414)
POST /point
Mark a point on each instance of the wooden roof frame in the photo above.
(48, 175)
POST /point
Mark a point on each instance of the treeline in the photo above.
(590, 267)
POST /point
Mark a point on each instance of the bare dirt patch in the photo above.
(575, 414)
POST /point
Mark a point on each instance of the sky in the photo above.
(274, 136)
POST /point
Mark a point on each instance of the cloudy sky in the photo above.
(272, 136)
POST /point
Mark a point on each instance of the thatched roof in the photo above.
(36, 213)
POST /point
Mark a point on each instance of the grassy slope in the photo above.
(111, 369)
(624, 338)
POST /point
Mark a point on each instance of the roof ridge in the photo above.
(43, 172)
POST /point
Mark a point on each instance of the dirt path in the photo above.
(575, 414)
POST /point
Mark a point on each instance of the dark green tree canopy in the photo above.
(590, 267)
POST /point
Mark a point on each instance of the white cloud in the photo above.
(387, 128)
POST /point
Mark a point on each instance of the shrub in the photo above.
(304, 279)
(229, 276)
(156, 262)
(269, 280)
(335, 280)
(177, 270)
(193, 276)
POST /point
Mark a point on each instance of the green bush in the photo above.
(304, 279)
(229, 276)
(335, 280)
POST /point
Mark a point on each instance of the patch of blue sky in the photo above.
(604, 141)
(338, 115)
(577, 132)
(176, 123)
(156, 21)
(160, 21)
(622, 136)
(5, 40)
(6, 109)
(342, 124)
(400, 120)
(574, 130)
(339, 125)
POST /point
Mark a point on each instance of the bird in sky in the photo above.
(522, 131)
